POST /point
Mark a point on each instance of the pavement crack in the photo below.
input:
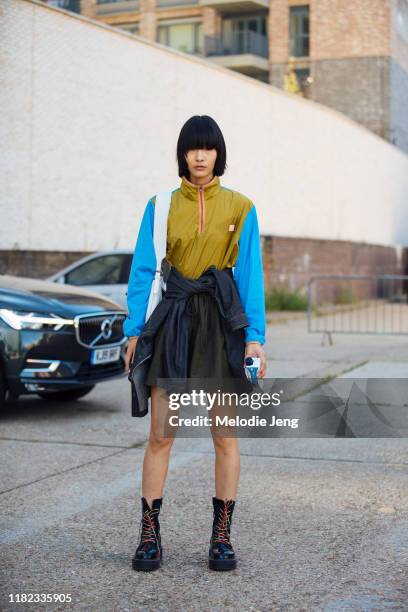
(305, 458)
(70, 469)
(40, 441)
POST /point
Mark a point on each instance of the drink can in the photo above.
(252, 365)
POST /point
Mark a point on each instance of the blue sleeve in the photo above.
(141, 275)
(248, 275)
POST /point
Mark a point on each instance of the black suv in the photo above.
(57, 340)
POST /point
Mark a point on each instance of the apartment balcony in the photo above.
(175, 3)
(236, 6)
(113, 7)
(245, 52)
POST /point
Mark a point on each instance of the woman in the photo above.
(208, 226)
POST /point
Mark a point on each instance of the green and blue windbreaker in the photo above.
(207, 225)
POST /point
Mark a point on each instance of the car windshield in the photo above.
(104, 270)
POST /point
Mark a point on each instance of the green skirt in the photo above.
(207, 353)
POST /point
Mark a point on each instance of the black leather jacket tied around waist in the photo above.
(173, 311)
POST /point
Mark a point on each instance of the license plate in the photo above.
(105, 355)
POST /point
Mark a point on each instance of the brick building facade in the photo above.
(81, 114)
(357, 56)
(351, 56)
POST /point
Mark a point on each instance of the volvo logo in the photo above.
(96, 329)
(106, 328)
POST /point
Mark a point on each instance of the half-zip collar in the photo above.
(191, 191)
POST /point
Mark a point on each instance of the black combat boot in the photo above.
(221, 553)
(149, 553)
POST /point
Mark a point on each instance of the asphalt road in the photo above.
(320, 523)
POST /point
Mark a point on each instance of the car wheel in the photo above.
(66, 395)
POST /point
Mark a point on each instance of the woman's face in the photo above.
(201, 162)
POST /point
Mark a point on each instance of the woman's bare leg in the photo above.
(227, 456)
(227, 467)
(157, 453)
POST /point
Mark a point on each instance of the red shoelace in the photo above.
(148, 527)
(221, 531)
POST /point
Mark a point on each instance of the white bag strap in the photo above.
(161, 212)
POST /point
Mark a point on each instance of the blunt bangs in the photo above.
(201, 132)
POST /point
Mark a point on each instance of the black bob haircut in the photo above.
(201, 132)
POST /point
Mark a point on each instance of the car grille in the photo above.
(100, 330)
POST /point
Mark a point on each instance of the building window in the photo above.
(245, 34)
(299, 30)
(68, 5)
(402, 19)
(184, 36)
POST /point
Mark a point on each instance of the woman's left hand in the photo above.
(255, 349)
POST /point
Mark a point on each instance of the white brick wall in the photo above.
(89, 123)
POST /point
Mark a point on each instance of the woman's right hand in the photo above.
(130, 351)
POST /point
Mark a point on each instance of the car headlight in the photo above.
(18, 319)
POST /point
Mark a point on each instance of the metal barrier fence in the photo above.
(358, 304)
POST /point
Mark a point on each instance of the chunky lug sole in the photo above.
(147, 565)
(222, 564)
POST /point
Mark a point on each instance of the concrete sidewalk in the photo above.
(320, 524)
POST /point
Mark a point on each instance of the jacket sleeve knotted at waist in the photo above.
(228, 299)
(173, 312)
